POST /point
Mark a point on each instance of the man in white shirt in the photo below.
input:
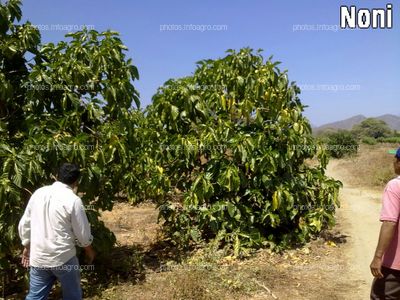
(55, 222)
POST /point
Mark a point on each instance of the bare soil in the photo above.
(359, 220)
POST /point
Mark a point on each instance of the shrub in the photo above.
(392, 140)
(341, 143)
(233, 142)
(368, 140)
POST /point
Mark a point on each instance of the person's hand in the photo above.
(25, 257)
(90, 254)
(375, 267)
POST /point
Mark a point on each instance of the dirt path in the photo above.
(358, 219)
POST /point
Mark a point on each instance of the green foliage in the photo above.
(395, 133)
(368, 140)
(391, 139)
(70, 102)
(372, 127)
(233, 142)
(342, 143)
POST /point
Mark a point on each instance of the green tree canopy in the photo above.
(233, 142)
(341, 143)
(70, 101)
(372, 127)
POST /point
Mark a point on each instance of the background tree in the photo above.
(71, 101)
(372, 127)
(341, 143)
(16, 42)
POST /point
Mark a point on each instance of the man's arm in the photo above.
(90, 254)
(24, 226)
(387, 231)
(81, 229)
(25, 256)
(24, 231)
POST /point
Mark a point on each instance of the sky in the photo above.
(342, 73)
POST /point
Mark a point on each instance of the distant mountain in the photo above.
(392, 121)
(344, 124)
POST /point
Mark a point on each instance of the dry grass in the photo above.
(133, 226)
(307, 273)
(310, 272)
(371, 167)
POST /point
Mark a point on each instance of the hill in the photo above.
(391, 120)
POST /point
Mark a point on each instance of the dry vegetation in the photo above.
(371, 168)
(310, 272)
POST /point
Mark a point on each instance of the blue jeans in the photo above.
(42, 280)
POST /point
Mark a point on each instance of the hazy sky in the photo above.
(342, 72)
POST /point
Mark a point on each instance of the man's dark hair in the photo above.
(68, 173)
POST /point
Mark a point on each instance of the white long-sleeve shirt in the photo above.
(53, 223)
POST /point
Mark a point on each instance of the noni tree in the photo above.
(234, 144)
